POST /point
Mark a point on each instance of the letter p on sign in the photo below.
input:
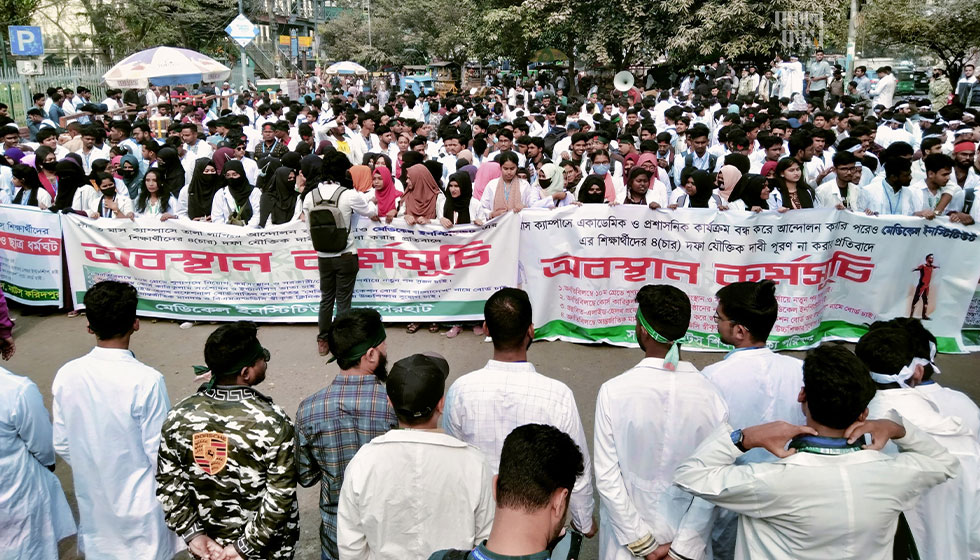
(25, 40)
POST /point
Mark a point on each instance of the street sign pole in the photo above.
(242, 31)
(241, 49)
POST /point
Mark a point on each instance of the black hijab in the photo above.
(283, 195)
(267, 171)
(435, 169)
(292, 160)
(239, 188)
(583, 191)
(200, 193)
(312, 169)
(70, 178)
(749, 191)
(457, 208)
(704, 187)
(173, 171)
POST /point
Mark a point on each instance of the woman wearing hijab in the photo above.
(292, 160)
(360, 175)
(110, 203)
(421, 195)
(128, 176)
(194, 201)
(236, 203)
(753, 195)
(13, 155)
(696, 191)
(45, 161)
(27, 188)
(310, 174)
(728, 177)
(386, 195)
(283, 198)
(488, 172)
(471, 170)
(435, 168)
(173, 171)
(592, 191)
(457, 205)
(70, 179)
(220, 157)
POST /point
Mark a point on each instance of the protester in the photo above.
(212, 445)
(152, 200)
(333, 423)
(832, 492)
(108, 408)
(237, 203)
(108, 203)
(539, 465)
(483, 406)
(28, 189)
(416, 489)
(640, 512)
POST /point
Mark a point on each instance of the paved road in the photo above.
(45, 343)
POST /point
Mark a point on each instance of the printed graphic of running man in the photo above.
(922, 289)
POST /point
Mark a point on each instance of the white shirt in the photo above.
(484, 406)
(108, 409)
(946, 520)
(34, 514)
(951, 402)
(648, 408)
(879, 197)
(814, 507)
(828, 195)
(97, 205)
(93, 154)
(883, 92)
(408, 493)
(223, 205)
(350, 202)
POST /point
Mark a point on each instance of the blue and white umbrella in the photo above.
(165, 66)
(346, 67)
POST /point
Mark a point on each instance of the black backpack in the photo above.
(327, 229)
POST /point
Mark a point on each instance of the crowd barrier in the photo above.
(836, 271)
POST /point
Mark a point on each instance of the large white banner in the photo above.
(836, 271)
(30, 255)
(192, 271)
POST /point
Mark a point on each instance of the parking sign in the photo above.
(25, 40)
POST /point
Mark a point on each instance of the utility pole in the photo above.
(369, 21)
(851, 41)
(241, 50)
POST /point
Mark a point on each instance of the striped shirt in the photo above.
(331, 425)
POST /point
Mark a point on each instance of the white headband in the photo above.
(854, 149)
(901, 377)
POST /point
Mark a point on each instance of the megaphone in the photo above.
(623, 81)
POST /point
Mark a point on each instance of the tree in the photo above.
(948, 29)
(17, 12)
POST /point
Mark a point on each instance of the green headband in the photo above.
(359, 350)
(250, 358)
(674, 354)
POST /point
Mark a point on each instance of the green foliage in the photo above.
(16, 12)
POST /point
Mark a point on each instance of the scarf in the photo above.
(646, 157)
(704, 186)
(465, 155)
(200, 193)
(387, 195)
(221, 156)
(15, 154)
(39, 156)
(729, 177)
(283, 195)
(240, 189)
(361, 177)
(508, 197)
(267, 171)
(471, 170)
(583, 192)
(555, 177)
(115, 162)
(311, 167)
(489, 171)
(457, 208)
(750, 190)
(173, 171)
(292, 160)
(420, 197)
(132, 183)
(70, 178)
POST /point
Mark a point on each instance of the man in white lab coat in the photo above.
(757, 384)
(946, 521)
(647, 421)
(883, 92)
(832, 494)
(108, 410)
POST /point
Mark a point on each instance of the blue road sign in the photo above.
(25, 40)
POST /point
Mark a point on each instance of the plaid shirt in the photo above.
(331, 426)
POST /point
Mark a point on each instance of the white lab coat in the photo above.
(647, 421)
(874, 197)
(815, 507)
(946, 520)
(883, 92)
(530, 197)
(223, 206)
(108, 409)
(409, 493)
(34, 514)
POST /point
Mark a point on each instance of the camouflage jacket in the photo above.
(226, 469)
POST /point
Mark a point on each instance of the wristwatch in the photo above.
(737, 438)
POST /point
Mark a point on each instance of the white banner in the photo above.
(30, 255)
(192, 271)
(836, 271)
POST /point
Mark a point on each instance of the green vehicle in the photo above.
(911, 81)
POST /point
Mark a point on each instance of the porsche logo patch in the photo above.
(211, 451)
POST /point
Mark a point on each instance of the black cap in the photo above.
(417, 383)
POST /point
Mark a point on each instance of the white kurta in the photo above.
(815, 507)
(34, 514)
(946, 521)
(647, 421)
(953, 403)
(108, 410)
(408, 493)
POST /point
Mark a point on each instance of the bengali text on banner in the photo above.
(30, 255)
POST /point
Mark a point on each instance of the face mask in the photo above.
(127, 173)
(600, 168)
(236, 182)
(49, 165)
(109, 193)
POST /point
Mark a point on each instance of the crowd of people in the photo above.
(843, 454)
(759, 455)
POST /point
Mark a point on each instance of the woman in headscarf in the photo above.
(236, 203)
(457, 207)
(282, 198)
(129, 178)
(70, 178)
(697, 191)
(602, 166)
(592, 191)
(386, 194)
(195, 199)
(421, 194)
(153, 200)
(310, 174)
(508, 193)
(220, 157)
(551, 179)
(13, 155)
(471, 169)
(728, 177)
(99, 167)
(27, 188)
(489, 171)
(46, 162)
(292, 160)
(360, 175)
(435, 168)
(629, 162)
(173, 171)
(752, 194)
(110, 203)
